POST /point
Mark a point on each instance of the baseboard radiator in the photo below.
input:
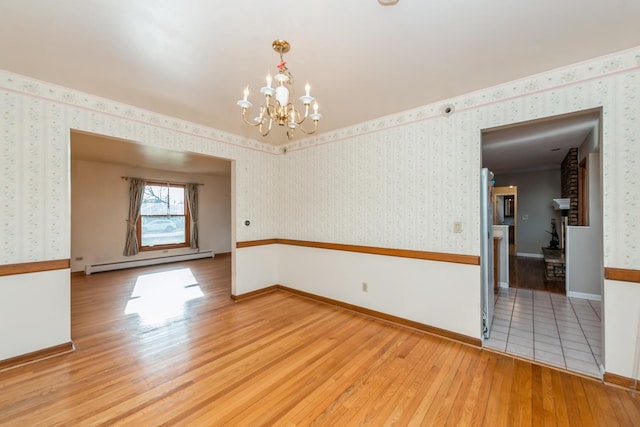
(96, 268)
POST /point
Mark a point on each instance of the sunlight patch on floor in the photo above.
(160, 297)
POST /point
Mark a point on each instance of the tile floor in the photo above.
(549, 328)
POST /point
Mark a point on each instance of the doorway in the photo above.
(553, 328)
(506, 213)
(99, 204)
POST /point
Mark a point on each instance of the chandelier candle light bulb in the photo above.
(280, 110)
(282, 95)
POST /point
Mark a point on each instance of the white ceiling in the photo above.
(97, 148)
(191, 59)
(537, 145)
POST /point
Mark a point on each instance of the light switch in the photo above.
(525, 217)
(457, 227)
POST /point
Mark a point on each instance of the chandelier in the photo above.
(277, 106)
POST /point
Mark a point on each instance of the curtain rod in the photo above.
(126, 178)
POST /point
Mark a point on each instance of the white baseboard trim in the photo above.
(528, 255)
(582, 295)
(503, 284)
(88, 269)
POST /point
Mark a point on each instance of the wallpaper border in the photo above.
(608, 65)
(39, 89)
(570, 75)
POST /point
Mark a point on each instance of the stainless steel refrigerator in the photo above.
(486, 249)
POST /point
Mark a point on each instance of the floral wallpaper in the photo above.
(402, 180)
(399, 181)
(35, 122)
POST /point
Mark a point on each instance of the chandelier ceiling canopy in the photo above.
(277, 106)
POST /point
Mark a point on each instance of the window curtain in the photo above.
(136, 191)
(192, 201)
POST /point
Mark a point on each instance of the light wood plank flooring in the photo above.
(196, 358)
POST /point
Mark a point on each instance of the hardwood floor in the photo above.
(528, 273)
(197, 358)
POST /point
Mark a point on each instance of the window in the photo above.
(164, 217)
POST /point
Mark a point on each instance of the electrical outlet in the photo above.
(78, 258)
(525, 217)
(365, 287)
(457, 227)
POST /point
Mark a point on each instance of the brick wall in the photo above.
(569, 176)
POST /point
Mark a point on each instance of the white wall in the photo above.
(591, 144)
(260, 268)
(100, 204)
(584, 244)
(401, 181)
(535, 193)
(439, 294)
(621, 308)
(583, 272)
(36, 119)
(400, 187)
(35, 312)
